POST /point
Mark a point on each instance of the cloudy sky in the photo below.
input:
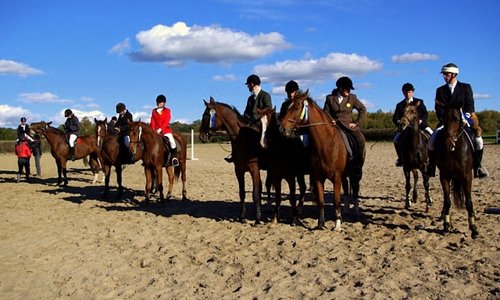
(90, 55)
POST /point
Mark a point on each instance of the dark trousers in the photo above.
(23, 163)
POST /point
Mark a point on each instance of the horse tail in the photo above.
(177, 172)
(458, 195)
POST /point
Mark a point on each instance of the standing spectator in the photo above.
(23, 131)
(23, 153)
(36, 147)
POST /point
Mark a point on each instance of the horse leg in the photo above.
(428, 200)
(268, 185)
(445, 184)
(59, 172)
(407, 189)
(320, 201)
(170, 174)
(183, 178)
(119, 171)
(354, 181)
(277, 200)
(257, 190)
(65, 173)
(107, 172)
(337, 180)
(415, 181)
(159, 181)
(346, 196)
(240, 176)
(470, 208)
(293, 200)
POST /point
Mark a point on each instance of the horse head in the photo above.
(296, 115)
(410, 116)
(40, 127)
(101, 129)
(452, 127)
(220, 116)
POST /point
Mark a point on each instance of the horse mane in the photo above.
(234, 109)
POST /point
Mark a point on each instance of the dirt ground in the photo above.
(68, 242)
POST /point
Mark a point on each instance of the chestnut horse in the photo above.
(110, 155)
(244, 144)
(59, 148)
(329, 157)
(454, 159)
(155, 156)
(413, 144)
(286, 160)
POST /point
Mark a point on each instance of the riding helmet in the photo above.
(160, 99)
(344, 83)
(120, 107)
(449, 68)
(407, 87)
(253, 79)
(23, 119)
(67, 113)
(291, 86)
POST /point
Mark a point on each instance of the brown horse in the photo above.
(155, 156)
(110, 155)
(454, 159)
(329, 157)
(286, 160)
(245, 147)
(413, 144)
(59, 148)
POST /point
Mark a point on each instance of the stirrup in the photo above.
(229, 159)
(481, 173)
(399, 163)
(175, 162)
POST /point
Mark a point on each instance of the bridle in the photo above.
(304, 117)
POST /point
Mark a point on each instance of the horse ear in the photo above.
(106, 120)
(204, 101)
(48, 124)
(212, 100)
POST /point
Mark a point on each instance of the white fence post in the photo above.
(192, 145)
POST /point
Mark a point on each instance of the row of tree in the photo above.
(378, 125)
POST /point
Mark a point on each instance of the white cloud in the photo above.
(482, 96)
(121, 47)
(413, 57)
(45, 97)
(10, 115)
(180, 43)
(12, 67)
(331, 66)
(227, 77)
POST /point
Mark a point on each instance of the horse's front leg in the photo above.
(277, 200)
(240, 176)
(302, 189)
(445, 184)
(470, 207)
(256, 192)
(407, 189)
(337, 180)
(415, 181)
(428, 199)
(293, 200)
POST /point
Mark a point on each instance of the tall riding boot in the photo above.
(431, 168)
(399, 162)
(71, 153)
(175, 161)
(479, 171)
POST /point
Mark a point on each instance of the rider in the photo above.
(292, 90)
(459, 95)
(340, 104)
(122, 128)
(258, 99)
(23, 131)
(408, 91)
(160, 121)
(72, 129)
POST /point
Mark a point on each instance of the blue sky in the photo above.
(90, 55)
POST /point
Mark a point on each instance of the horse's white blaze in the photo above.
(263, 134)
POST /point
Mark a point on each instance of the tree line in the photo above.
(377, 126)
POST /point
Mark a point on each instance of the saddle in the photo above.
(350, 141)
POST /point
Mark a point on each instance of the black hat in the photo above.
(23, 119)
(253, 79)
(407, 87)
(67, 113)
(120, 107)
(291, 86)
(160, 99)
(345, 83)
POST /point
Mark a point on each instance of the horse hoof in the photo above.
(474, 231)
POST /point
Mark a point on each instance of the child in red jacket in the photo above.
(23, 153)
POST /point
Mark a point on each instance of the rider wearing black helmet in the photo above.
(122, 128)
(340, 104)
(72, 129)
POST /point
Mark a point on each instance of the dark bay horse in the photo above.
(110, 155)
(329, 157)
(59, 148)
(245, 147)
(413, 144)
(155, 156)
(286, 160)
(454, 159)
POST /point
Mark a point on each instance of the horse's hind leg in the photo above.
(415, 181)
(170, 175)
(470, 208)
(118, 169)
(354, 181)
(346, 196)
(277, 200)
(302, 189)
(257, 190)
(445, 184)
(428, 200)
(240, 176)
